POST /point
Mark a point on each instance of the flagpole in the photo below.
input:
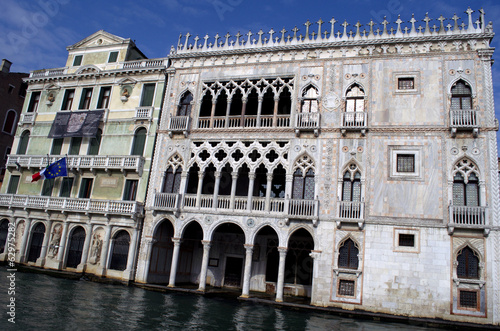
(51, 179)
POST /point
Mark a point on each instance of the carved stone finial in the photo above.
(307, 24)
(427, 20)
(357, 25)
(295, 29)
(320, 22)
(441, 27)
(384, 23)
(469, 13)
(371, 24)
(412, 21)
(332, 32)
(398, 22)
(455, 18)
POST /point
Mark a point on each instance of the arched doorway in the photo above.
(227, 255)
(4, 231)
(119, 253)
(190, 254)
(161, 253)
(36, 242)
(298, 263)
(266, 258)
(75, 247)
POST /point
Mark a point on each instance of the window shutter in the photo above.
(147, 95)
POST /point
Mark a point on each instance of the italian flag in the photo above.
(39, 175)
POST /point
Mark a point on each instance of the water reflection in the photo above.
(47, 303)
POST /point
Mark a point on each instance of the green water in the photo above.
(47, 303)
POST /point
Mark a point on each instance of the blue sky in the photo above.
(35, 33)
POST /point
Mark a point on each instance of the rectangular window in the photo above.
(86, 98)
(407, 240)
(47, 187)
(11, 89)
(104, 97)
(74, 146)
(468, 300)
(69, 95)
(346, 288)
(13, 183)
(147, 95)
(406, 83)
(56, 146)
(66, 186)
(77, 60)
(34, 101)
(130, 190)
(113, 56)
(85, 188)
(406, 163)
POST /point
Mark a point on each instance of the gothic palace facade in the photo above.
(356, 168)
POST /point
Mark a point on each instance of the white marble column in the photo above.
(199, 189)
(234, 181)
(251, 181)
(62, 246)
(86, 247)
(268, 191)
(24, 241)
(281, 274)
(175, 259)
(43, 254)
(216, 189)
(248, 270)
(204, 265)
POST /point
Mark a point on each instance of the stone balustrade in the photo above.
(351, 210)
(107, 163)
(465, 216)
(88, 206)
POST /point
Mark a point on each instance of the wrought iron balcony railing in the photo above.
(108, 163)
(88, 206)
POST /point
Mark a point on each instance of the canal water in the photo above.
(44, 302)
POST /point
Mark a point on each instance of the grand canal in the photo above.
(44, 302)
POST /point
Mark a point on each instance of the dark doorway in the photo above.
(191, 250)
(75, 247)
(119, 253)
(233, 271)
(161, 253)
(36, 242)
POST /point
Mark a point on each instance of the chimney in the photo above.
(5, 67)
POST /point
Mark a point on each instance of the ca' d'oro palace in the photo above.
(355, 168)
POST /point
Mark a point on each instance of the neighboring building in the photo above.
(12, 93)
(101, 112)
(355, 168)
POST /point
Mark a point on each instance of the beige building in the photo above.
(357, 168)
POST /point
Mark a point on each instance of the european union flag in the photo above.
(56, 169)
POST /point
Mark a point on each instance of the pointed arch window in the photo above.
(351, 186)
(303, 185)
(184, 108)
(461, 96)
(172, 181)
(23, 143)
(139, 142)
(355, 99)
(466, 184)
(348, 255)
(468, 264)
(309, 100)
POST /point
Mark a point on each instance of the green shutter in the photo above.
(147, 95)
(94, 144)
(74, 148)
(23, 143)
(13, 183)
(139, 142)
(66, 186)
(47, 187)
(56, 146)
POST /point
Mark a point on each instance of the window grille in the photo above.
(407, 83)
(346, 288)
(405, 163)
(348, 255)
(468, 299)
(468, 264)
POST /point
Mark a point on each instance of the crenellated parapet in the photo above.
(350, 40)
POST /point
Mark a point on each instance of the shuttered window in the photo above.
(147, 95)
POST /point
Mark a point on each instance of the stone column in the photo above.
(27, 231)
(275, 113)
(175, 259)
(148, 244)
(43, 254)
(62, 245)
(259, 110)
(104, 252)
(243, 110)
(248, 271)
(204, 265)
(234, 181)
(128, 273)
(268, 190)
(315, 256)
(216, 189)
(200, 187)
(212, 114)
(281, 274)
(251, 181)
(86, 246)
(228, 107)
(182, 186)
